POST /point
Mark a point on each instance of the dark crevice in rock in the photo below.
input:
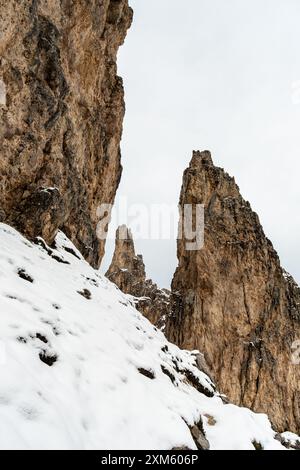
(147, 373)
(85, 293)
(23, 275)
(41, 338)
(168, 373)
(71, 251)
(48, 358)
(21, 339)
(40, 242)
(195, 382)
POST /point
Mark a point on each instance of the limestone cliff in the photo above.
(61, 113)
(234, 302)
(127, 271)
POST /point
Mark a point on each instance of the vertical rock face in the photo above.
(127, 271)
(234, 302)
(61, 113)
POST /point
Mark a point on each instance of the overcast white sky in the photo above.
(222, 75)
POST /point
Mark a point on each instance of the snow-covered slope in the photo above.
(82, 369)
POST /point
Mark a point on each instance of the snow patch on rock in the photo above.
(2, 93)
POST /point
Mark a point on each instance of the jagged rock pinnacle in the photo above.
(201, 158)
(233, 301)
(127, 271)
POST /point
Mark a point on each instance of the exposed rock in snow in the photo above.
(289, 440)
(91, 372)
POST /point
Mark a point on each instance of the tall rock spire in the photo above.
(127, 271)
(233, 301)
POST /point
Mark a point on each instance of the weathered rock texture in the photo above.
(127, 271)
(61, 113)
(233, 301)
